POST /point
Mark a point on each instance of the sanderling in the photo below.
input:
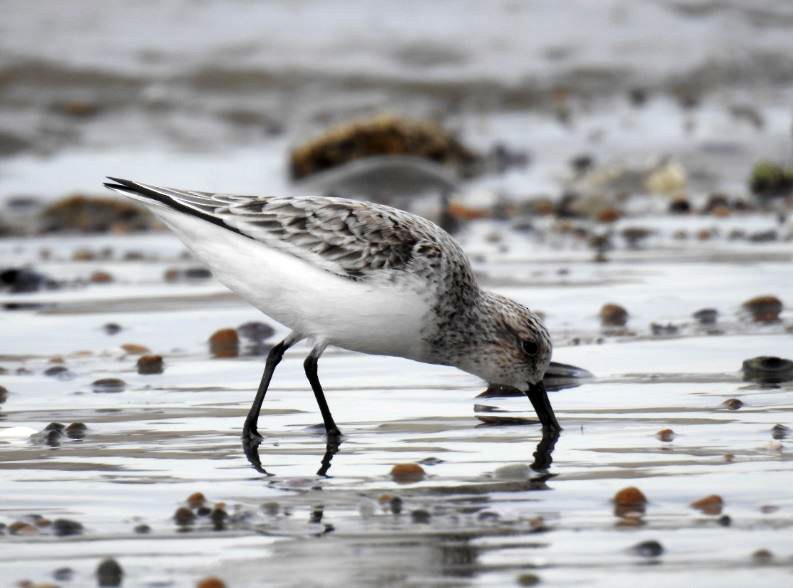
(361, 276)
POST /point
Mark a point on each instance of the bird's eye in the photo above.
(530, 347)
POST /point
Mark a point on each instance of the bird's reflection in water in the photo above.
(251, 449)
(543, 454)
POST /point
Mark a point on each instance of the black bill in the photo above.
(542, 406)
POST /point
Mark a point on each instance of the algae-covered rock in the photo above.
(771, 179)
(378, 136)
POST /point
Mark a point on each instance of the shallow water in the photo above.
(166, 436)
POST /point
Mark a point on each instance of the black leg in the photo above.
(543, 455)
(542, 406)
(273, 359)
(310, 366)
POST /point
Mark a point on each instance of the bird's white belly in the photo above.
(381, 319)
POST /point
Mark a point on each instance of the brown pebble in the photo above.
(729, 457)
(629, 500)
(732, 404)
(172, 274)
(768, 508)
(183, 516)
(211, 583)
(196, 499)
(609, 215)
(704, 235)
(711, 505)
(21, 528)
(528, 580)
(665, 435)
(150, 364)
(764, 309)
(134, 349)
(76, 430)
(109, 572)
(406, 473)
(613, 315)
(101, 277)
(224, 343)
(762, 556)
(108, 385)
(83, 255)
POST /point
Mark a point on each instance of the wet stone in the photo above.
(764, 309)
(732, 404)
(134, 349)
(725, 520)
(142, 529)
(613, 315)
(271, 508)
(150, 364)
(101, 277)
(111, 328)
(224, 343)
(711, 505)
(22, 280)
(780, 431)
(406, 473)
(58, 372)
(66, 527)
(762, 556)
(22, 528)
(184, 516)
(665, 435)
(255, 331)
(211, 582)
(421, 516)
(109, 572)
(218, 516)
(706, 316)
(629, 500)
(63, 574)
(196, 500)
(666, 330)
(76, 430)
(395, 504)
(528, 580)
(649, 548)
(3, 394)
(767, 369)
(108, 385)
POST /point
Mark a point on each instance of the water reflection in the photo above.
(251, 449)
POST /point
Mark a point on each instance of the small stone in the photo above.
(22, 528)
(629, 500)
(134, 349)
(613, 315)
(203, 511)
(706, 316)
(725, 520)
(76, 430)
(109, 572)
(83, 255)
(680, 206)
(108, 386)
(101, 277)
(421, 516)
(710, 505)
(211, 582)
(609, 215)
(406, 473)
(732, 404)
(396, 505)
(3, 394)
(218, 517)
(58, 371)
(184, 516)
(271, 508)
(66, 527)
(63, 574)
(142, 529)
(768, 508)
(197, 273)
(767, 369)
(648, 548)
(762, 556)
(196, 499)
(666, 330)
(150, 364)
(224, 343)
(764, 309)
(729, 457)
(528, 580)
(780, 431)
(111, 328)
(255, 331)
(665, 435)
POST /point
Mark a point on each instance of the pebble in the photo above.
(780, 431)
(101, 277)
(184, 516)
(108, 385)
(224, 343)
(395, 505)
(629, 499)
(150, 364)
(421, 516)
(142, 529)
(76, 430)
(725, 520)
(764, 309)
(767, 369)
(255, 331)
(22, 280)
(711, 505)
(271, 508)
(406, 473)
(109, 572)
(3, 394)
(706, 316)
(58, 371)
(22, 528)
(211, 582)
(649, 548)
(63, 574)
(196, 499)
(134, 349)
(665, 435)
(528, 580)
(111, 328)
(732, 404)
(668, 329)
(762, 556)
(218, 517)
(66, 527)
(613, 315)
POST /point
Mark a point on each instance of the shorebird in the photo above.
(360, 276)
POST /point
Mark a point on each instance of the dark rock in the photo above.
(150, 364)
(421, 516)
(55, 427)
(706, 316)
(648, 548)
(109, 572)
(142, 529)
(111, 328)
(780, 431)
(732, 404)
(58, 371)
(218, 518)
(3, 394)
(184, 516)
(613, 315)
(679, 206)
(64, 527)
(63, 574)
(769, 180)
(725, 520)
(396, 505)
(255, 331)
(666, 330)
(767, 370)
(21, 280)
(197, 273)
(76, 431)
